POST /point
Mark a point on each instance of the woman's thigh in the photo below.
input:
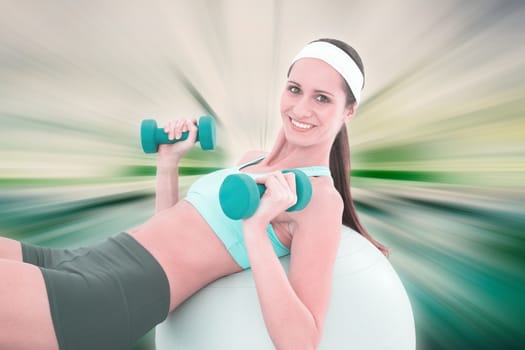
(25, 317)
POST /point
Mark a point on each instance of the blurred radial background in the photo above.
(437, 146)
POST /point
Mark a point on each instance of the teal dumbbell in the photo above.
(240, 195)
(151, 136)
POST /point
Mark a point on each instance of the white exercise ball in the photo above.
(369, 308)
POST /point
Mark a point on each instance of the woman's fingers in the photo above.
(175, 128)
(190, 126)
(280, 187)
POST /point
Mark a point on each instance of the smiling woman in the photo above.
(438, 158)
(108, 295)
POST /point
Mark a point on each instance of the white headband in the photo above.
(339, 60)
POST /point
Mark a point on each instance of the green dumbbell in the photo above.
(240, 195)
(151, 136)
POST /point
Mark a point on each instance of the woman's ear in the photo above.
(350, 112)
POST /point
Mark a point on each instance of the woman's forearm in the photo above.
(289, 322)
(168, 158)
(166, 187)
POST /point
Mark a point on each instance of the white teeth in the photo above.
(301, 125)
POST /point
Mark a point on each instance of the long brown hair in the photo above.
(340, 159)
(340, 169)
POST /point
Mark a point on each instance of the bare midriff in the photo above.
(188, 250)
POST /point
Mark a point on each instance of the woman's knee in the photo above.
(10, 249)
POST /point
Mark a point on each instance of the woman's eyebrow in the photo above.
(323, 92)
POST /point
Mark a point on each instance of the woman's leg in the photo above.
(10, 249)
(25, 317)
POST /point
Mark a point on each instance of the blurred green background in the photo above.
(437, 146)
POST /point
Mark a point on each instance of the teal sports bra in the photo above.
(203, 194)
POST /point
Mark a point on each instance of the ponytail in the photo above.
(340, 169)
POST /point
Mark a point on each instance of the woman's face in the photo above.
(313, 103)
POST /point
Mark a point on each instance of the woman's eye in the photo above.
(293, 89)
(322, 98)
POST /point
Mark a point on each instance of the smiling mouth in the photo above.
(299, 125)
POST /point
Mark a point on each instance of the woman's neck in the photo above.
(286, 155)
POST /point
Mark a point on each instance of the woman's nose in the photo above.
(302, 108)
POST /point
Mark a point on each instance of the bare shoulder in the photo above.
(326, 195)
(326, 204)
(251, 155)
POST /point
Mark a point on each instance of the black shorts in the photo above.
(103, 297)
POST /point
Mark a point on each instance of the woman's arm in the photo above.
(166, 186)
(294, 307)
(168, 159)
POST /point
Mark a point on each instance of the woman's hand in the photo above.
(169, 155)
(280, 195)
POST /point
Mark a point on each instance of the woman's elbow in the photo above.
(311, 337)
(315, 340)
(307, 340)
(307, 343)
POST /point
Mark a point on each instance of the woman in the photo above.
(108, 295)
